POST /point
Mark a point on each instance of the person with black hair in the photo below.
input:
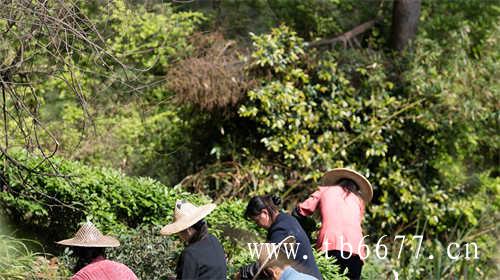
(265, 212)
(341, 199)
(203, 257)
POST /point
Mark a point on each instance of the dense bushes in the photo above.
(56, 205)
(318, 115)
(109, 199)
(131, 208)
(59, 202)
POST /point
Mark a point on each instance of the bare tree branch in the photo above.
(345, 38)
(53, 33)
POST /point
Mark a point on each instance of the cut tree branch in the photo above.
(345, 38)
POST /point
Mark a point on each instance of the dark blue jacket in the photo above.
(286, 225)
(202, 260)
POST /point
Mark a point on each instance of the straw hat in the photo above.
(185, 215)
(89, 236)
(267, 253)
(332, 178)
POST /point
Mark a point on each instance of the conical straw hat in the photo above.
(89, 236)
(332, 178)
(185, 215)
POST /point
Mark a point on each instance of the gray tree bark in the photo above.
(405, 17)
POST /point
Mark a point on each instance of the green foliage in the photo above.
(422, 125)
(140, 43)
(375, 268)
(119, 117)
(462, 259)
(58, 203)
(278, 49)
(477, 18)
(133, 209)
(311, 116)
(313, 19)
(149, 38)
(154, 146)
(17, 261)
(419, 139)
(310, 18)
(328, 268)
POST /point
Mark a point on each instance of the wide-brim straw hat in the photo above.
(89, 236)
(185, 215)
(266, 254)
(332, 178)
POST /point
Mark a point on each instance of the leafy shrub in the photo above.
(310, 116)
(58, 203)
(148, 254)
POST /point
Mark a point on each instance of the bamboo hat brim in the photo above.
(186, 215)
(332, 178)
(265, 258)
(89, 236)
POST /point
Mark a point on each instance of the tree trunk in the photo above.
(405, 16)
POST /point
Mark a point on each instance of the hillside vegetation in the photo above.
(117, 110)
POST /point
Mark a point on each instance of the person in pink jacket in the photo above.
(88, 245)
(341, 198)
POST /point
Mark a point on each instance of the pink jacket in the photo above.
(102, 269)
(341, 214)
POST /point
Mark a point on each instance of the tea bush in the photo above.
(133, 209)
(57, 203)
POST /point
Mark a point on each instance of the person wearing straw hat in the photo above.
(341, 199)
(203, 257)
(89, 244)
(275, 261)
